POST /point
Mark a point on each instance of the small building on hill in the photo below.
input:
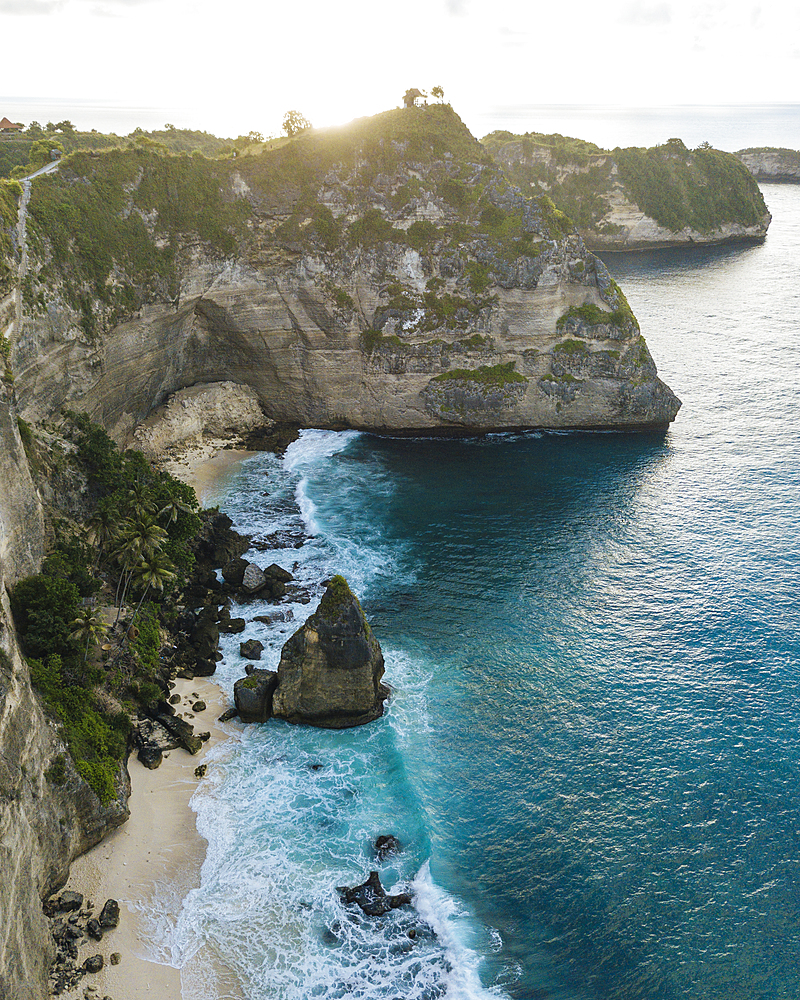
(10, 128)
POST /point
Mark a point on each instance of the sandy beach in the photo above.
(205, 468)
(158, 853)
(158, 848)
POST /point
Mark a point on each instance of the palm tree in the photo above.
(174, 507)
(153, 571)
(89, 626)
(140, 498)
(102, 529)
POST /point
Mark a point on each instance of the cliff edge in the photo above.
(384, 276)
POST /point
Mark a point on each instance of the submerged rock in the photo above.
(331, 668)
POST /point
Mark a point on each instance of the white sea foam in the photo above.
(290, 813)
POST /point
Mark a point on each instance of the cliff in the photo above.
(635, 198)
(383, 276)
(772, 164)
(48, 814)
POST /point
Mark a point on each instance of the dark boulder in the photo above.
(233, 625)
(181, 730)
(251, 649)
(150, 756)
(254, 695)
(228, 714)
(386, 846)
(372, 897)
(331, 668)
(68, 901)
(109, 915)
(93, 964)
(233, 572)
(94, 930)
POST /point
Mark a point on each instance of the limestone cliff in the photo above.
(384, 276)
(772, 164)
(635, 199)
(48, 814)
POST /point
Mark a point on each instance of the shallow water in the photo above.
(591, 754)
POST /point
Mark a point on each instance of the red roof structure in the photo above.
(7, 126)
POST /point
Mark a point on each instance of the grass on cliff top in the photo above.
(379, 143)
(703, 189)
(91, 214)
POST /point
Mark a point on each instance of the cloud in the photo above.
(642, 14)
(30, 6)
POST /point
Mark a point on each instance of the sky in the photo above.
(238, 66)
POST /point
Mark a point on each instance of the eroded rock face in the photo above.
(773, 165)
(331, 669)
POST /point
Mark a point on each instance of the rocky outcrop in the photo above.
(407, 263)
(254, 695)
(772, 164)
(330, 670)
(224, 411)
(372, 898)
(638, 199)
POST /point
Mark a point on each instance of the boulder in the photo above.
(253, 579)
(386, 846)
(109, 915)
(254, 695)
(150, 756)
(331, 668)
(251, 649)
(372, 897)
(68, 901)
(233, 626)
(93, 964)
(233, 571)
(181, 731)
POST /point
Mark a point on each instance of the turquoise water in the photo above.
(591, 753)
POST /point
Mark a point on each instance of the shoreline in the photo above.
(154, 860)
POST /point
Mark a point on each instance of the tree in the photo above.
(65, 126)
(89, 625)
(34, 130)
(294, 123)
(438, 93)
(257, 136)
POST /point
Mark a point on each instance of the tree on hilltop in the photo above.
(438, 93)
(294, 123)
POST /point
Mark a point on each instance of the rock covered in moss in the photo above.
(331, 669)
(254, 695)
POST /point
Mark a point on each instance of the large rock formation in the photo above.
(340, 278)
(637, 199)
(772, 164)
(331, 669)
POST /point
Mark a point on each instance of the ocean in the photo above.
(591, 753)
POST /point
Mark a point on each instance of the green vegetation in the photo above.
(590, 315)
(92, 215)
(10, 193)
(571, 347)
(702, 189)
(494, 377)
(138, 536)
(336, 598)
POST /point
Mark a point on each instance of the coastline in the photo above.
(154, 859)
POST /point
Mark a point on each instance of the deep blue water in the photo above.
(591, 755)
